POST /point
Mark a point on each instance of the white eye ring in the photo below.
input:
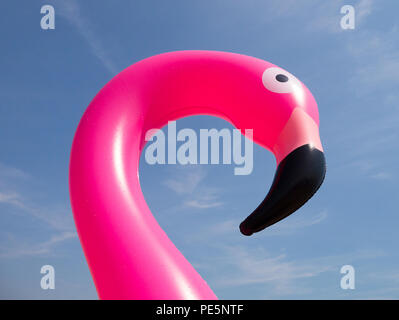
(280, 81)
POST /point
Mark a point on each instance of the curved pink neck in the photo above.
(130, 256)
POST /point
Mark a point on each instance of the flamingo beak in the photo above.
(297, 178)
(299, 174)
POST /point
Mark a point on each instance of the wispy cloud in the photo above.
(203, 202)
(295, 223)
(373, 79)
(71, 11)
(382, 176)
(189, 179)
(327, 15)
(277, 274)
(319, 16)
(57, 223)
(376, 59)
(54, 219)
(189, 184)
(11, 172)
(363, 9)
(287, 227)
(256, 266)
(15, 248)
(11, 198)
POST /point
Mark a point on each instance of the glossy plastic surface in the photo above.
(129, 255)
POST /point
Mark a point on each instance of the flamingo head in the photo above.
(296, 145)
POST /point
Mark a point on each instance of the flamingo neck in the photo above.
(130, 256)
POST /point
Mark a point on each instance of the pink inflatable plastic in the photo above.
(129, 255)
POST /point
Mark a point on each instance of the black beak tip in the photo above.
(297, 178)
(244, 230)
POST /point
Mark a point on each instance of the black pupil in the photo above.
(281, 78)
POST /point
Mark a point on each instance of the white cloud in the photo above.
(187, 179)
(53, 220)
(376, 59)
(363, 9)
(373, 68)
(71, 11)
(256, 266)
(287, 227)
(11, 198)
(17, 248)
(382, 176)
(320, 16)
(11, 172)
(203, 203)
(277, 275)
(296, 222)
(188, 184)
(56, 219)
(327, 16)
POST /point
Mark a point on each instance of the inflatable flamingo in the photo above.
(129, 255)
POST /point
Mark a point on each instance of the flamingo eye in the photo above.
(280, 81)
(281, 78)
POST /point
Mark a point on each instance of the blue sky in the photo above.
(49, 77)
